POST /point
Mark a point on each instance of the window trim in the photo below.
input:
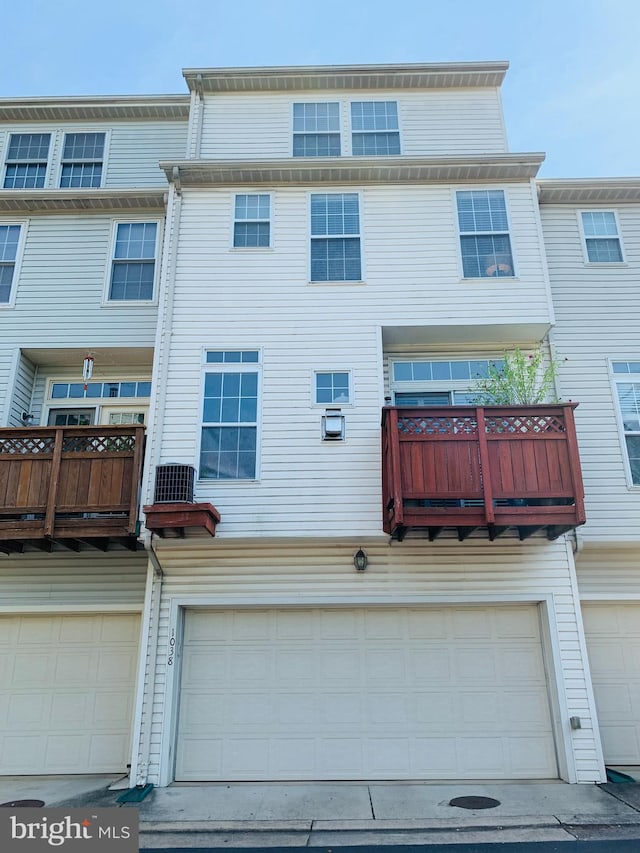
(460, 234)
(351, 130)
(336, 282)
(314, 388)
(231, 367)
(340, 131)
(107, 302)
(583, 238)
(250, 249)
(17, 266)
(52, 133)
(616, 379)
(105, 155)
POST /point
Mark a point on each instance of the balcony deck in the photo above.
(495, 468)
(69, 485)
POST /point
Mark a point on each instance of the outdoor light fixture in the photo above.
(333, 425)
(360, 560)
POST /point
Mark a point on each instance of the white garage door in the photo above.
(411, 693)
(613, 643)
(66, 693)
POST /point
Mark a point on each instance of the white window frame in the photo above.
(584, 238)
(352, 131)
(133, 220)
(359, 235)
(32, 132)
(107, 141)
(23, 225)
(230, 367)
(314, 388)
(339, 132)
(450, 386)
(234, 221)
(509, 233)
(617, 379)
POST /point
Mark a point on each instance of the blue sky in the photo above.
(572, 90)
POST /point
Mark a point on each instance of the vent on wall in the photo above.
(174, 484)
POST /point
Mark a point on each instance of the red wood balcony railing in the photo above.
(69, 484)
(468, 467)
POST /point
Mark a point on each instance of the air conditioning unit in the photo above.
(174, 484)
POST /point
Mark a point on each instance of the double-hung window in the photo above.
(601, 237)
(82, 159)
(9, 242)
(484, 234)
(627, 381)
(252, 223)
(134, 261)
(374, 128)
(228, 447)
(26, 162)
(316, 130)
(335, 237)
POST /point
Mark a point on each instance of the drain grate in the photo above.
(25, 804)
(474, 802)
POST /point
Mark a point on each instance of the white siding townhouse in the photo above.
(81, 228)
(340, 567)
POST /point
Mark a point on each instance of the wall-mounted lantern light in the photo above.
(360, 560)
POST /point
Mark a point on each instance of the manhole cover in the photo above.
(474, 802)
(25, 804)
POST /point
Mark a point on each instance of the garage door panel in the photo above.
(364, 693)
(613, 642)
(72, 681)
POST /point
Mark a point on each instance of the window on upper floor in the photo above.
(374, 128)
(26, 161)
(626, 376)
(229, 442)
(252, 222)
(332, 387)
(484, 234)
(133, 266)
(82, 159)
(9, 243)
(316, 130)
(335, 237)
(601, 237)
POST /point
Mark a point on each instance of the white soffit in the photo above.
(589, 191)
(355, 170)
(108, 108)
(72, 200)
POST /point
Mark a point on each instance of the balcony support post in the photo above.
(483, 451)
(396, 483)
(50, 514)
(574, 457)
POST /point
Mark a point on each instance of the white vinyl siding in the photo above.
(449, 122)
(597, 324)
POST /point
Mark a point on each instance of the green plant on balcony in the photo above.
(521, 379)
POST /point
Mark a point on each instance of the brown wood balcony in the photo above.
(496, 468)
(69, 485)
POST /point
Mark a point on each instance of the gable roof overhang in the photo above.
(107, 108)
(73, 200)
(588, 190)
(437, 75)
(354, 170)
